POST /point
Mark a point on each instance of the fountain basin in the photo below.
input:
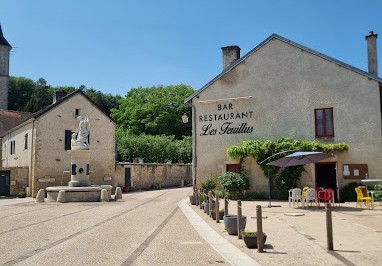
(78, 194)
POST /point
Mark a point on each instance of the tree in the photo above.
(105, 102)
(155, 111)
(20, 91)
(40, 98)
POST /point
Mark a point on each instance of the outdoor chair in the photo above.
(309, 196)
(294, 196)
(363, 199)
(326, 195)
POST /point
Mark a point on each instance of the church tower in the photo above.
(5, 49)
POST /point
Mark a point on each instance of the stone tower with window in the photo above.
(5, 49)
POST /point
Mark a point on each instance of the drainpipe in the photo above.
(30, 179)
(194, 157)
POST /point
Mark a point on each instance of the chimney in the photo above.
(230, 55)
(58, 95)
(372, 61)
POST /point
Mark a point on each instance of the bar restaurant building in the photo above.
(284, 89)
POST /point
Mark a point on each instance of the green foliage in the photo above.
(154, 149)
(21, 194)
(254, 195)
(29, 96)
(234, 182)
(348, 193)
(104, 101)
(20, 91)
(250, 234)
(209, 184)
(378, 195)
(155, 111)
(282, 179)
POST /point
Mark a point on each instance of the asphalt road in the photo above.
(144, 228)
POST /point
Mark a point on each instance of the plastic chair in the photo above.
(304, 191)
(309, 197)
(362, 199)
(294, 196)
(326, 195)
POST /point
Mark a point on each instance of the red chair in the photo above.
(326, 195)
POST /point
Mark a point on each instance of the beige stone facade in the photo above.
(272, 92)
(150, 175)
(39, 143)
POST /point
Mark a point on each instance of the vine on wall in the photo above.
(282, 178)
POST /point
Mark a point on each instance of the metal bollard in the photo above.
(239, 219)
(329, 226)
(260, 235)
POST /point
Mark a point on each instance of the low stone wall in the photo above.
(148, 175)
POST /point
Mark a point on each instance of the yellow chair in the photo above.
(361, 198)
(304, 191)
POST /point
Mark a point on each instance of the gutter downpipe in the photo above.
(194, 157)
(31, 160)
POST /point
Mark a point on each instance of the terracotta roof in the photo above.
(9, 119)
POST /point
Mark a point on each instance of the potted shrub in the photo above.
(234, 183)
(250, 238)
(221, 214)
(209, 184)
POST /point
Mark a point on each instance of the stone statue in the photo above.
(80, 137)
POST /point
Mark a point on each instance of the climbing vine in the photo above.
(282, 178)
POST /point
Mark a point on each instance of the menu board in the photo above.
(354, 171)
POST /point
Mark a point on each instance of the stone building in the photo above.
(5, 49)
(39, 144)
(283, 89)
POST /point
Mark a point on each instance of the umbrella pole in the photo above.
(269, 177)
(269, 180)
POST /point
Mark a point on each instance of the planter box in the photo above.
(251, 241)
(192, 199)
(207, 206)
(213, 215)
(230, 223)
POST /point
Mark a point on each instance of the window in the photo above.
(26, 141)
(68, 139)
(233, 168)
(77, 112)
(324, 122)
(13, 147)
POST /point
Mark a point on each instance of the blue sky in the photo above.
(116, 45)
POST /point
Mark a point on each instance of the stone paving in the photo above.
(297, 236)
(163, 228)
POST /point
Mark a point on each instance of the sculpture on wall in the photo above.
(80, 139)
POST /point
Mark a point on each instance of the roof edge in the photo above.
(276, 36)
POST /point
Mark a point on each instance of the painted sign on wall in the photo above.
(225, 121)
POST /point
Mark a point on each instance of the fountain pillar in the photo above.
(79, 168)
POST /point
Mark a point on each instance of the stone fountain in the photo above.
(79, 187)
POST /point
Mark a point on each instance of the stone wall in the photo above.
(147, 175)
(19, 179)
